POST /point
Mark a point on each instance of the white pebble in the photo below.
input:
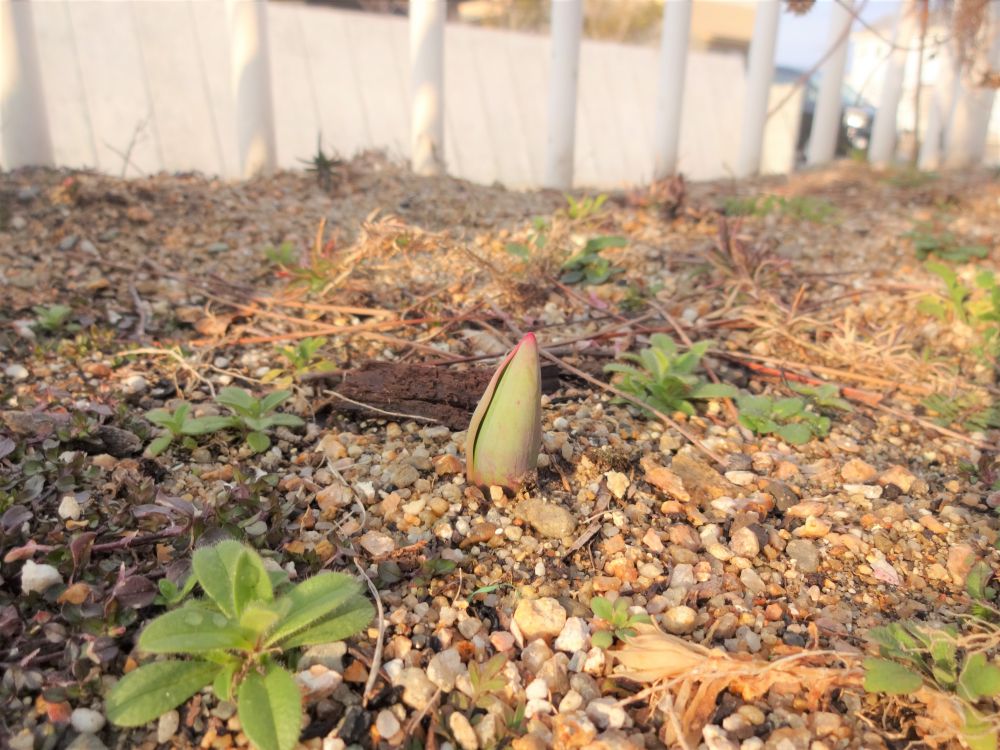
(16, 372)
(69, 508)
(87, 720)
(38, 578)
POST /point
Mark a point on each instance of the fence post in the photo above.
(829, 104)
(670, 93)
(965, 141)
(427, 86)
(760, 72)
(250, 78)
(26, 139)
(883, 142)
(567, 29)
(940, 110)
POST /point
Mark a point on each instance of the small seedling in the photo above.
(799, 207)
(984, 590)
(588, 267)
(825, 396)
(303, 359)
(486, 681)
(53, 318)
(914, 655)
(616, 621)
(238, 635)
(786, 417)
(284, 256)
(535, 243)
(322, 165)
(943, 245)
(953, 302)
(665, 379)
(179, 426)
(587, 206)
(257, 416)
(967, 410)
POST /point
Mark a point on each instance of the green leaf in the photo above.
(348, 619)
(193, 629)
(602, 639)
(206, 425)
(258, 442)
(259, 617)
(159, 444)
(312, 600)
(602, 608)
(518, 249)
(979, 732)
(884, 676)
(795, 434)
(230, 580)
(271, 400)
(975, 582)
(153, 689)
(979, 678)
(284, 420)
(786, 408)
(713, 390)
(222, 686)
(239, 400)
(270, 709)
(596, 244)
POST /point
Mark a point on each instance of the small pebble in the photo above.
(38, 578)
(387, 724)
(16, 372)
(167, 726)
(680, 620)
(87, 720)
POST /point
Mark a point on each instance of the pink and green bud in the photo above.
(505, 433)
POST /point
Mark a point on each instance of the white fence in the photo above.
(137, 87)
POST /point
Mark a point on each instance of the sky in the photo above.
(802, 40)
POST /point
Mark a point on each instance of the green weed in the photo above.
(665, 379)
(616, 621)
(238, 635)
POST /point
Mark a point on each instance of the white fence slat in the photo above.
(760, 72)
(250, 79)
(670, 91)
(564, 71)
(23, 117)
(829, 103)
(882, 150)
(427, 86)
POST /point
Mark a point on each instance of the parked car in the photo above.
(856, 117)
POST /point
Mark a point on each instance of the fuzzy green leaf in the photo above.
(602, 639)
(312, 600)
(602, 608)
(348, 619)
(271, 400)
(270, 709)
(713, 390)
(229, 579)
(153, 689)
(979, 732)
(884, 676)
(795, 434)
(192, 629)
(258, 442)
(979, 678)
(159, 445)
(206, 425)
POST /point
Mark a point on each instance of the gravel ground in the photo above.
(773, 550)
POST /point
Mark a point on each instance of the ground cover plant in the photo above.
(790, 465)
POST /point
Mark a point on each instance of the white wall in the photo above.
(155, 74)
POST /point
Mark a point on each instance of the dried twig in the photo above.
(377, 653)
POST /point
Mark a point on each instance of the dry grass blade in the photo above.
(694, 676)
